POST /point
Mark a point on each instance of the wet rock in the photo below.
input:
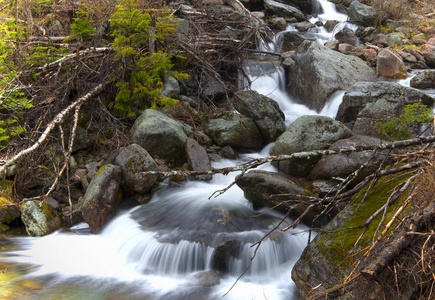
(304, 26)
(233, 129)
(264, 111)
(133, 161)
(224, 253)
(390, 65)
(197, 158)
(102, 197)
(207, 278)
(291, 40)
(228, 152)
(39, 219)
(283, 10)
(160, 135)
(327, 71)
(330, 25)
(278, 23)
(366, 103)
(344, 164)
(268, 189)
(424, 80)
(304, 134)
(347, 36)
(362, 14)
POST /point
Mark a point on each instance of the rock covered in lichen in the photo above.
(39, 218)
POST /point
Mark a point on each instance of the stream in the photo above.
(167, 248)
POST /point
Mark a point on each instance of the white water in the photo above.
(155, 251)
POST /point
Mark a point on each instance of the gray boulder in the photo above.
(160, 135)
(367, 103)
(102, 197)
(424, 80)
(264, 111)
(390, 65)
(347, 36)
(362, 14)
(291, 40)
(319, 71)
(197, 158)
(344, 164)
(304, 134)
(232, 129)
(283, 10)
(269, 189)
(170, 88)
(133, 160)
(39, 220)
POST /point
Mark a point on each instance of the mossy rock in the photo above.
(39, 219)
(330, 257)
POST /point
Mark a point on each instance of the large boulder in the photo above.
(232, 129)
(304, 134)
(318, 71)
(264, 111)
(278, 191)
(362, 14)
(102, 197)
(160, 135)
(283, 10)
(133, 161)
(347, 36)
(390, 65)
(344, 164)
(367, 103)
(424, 80)
(39, 218)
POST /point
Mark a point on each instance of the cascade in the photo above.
(164, 249)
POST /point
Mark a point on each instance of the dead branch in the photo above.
(57, 120)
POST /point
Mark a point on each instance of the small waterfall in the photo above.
(160, 249)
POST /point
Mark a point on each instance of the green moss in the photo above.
(336, 247)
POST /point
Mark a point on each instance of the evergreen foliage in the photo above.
(133, 29)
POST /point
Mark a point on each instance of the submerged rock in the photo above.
(102, 195)
(39, 218)
(325, 71)
(304, 134)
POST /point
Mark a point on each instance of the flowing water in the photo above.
(165, 249)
